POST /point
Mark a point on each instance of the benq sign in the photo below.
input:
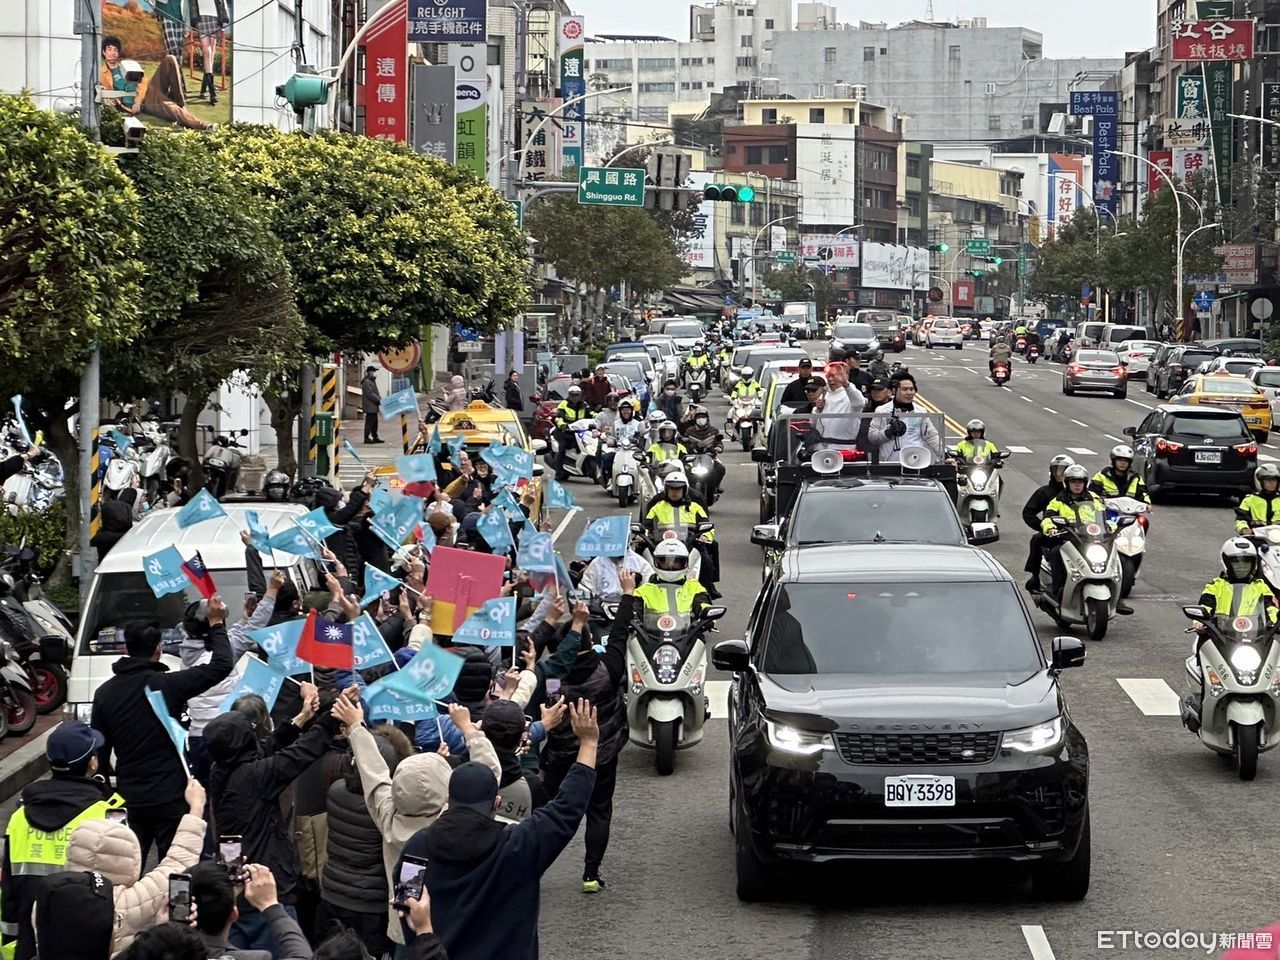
(467, 92)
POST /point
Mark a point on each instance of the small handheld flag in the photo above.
(346, 445)
(327, 644)
(558, 496)
(605, 537)
(493, 625)
(203, 506)
(16, 400)
(376, 583)
(280, 644)
(495, 529)
(198, 574)
(177, 735)
(259, 537)
(256, 677)
(316, 524)
(165, 572)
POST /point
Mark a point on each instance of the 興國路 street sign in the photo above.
(784, 256)
(611, 186)
(978, 247)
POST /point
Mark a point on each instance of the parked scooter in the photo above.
(43, 654)
(667, 707)
(1232, 672)
(222, 465)
(743, 421)
(1091, 591)
(17, 702)
(1131, 541)
(978, 487)
(1000, 374)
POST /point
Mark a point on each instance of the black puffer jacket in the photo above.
(354, 875)
(343, 543)
(245, 788)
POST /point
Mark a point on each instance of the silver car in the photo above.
(944, 332)
(1137, 355)
(1095, 370)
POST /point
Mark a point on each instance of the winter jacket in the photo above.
(427, 946)
(245, 789)
(117, 520)
(112, 849)
(343, 543)
(1038, 501)
(595, 391)
(311, 809)
(148, 771)
(511, 396)
(370, 395)
(291, 942)
(355, 877)
(203, 708)
(402, 805)
(475, 863)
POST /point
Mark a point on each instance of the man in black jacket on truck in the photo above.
(149, 774)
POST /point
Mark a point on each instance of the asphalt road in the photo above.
(1179, 844)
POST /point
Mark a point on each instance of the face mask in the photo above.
(701, 421)
(669, 393)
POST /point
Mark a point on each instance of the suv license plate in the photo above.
(920, 791)
(1208, 456)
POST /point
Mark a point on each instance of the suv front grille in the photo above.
(909, 748)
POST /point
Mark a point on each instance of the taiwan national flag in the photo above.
(198, 574)
(325, 644)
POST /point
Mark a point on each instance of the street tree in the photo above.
(802, 283)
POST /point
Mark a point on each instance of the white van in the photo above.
(120, 597)
(1089, 334)
(1114, 334)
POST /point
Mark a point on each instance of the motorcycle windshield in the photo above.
(1243, 629)
(673, 623)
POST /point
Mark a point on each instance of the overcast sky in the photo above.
(1079, 28)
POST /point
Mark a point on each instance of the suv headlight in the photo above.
(801, 742)
(1038, 739)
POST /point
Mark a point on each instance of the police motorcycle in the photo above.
(582, 459)
(1091, 590)
(667, 705)
(978, 487)
(698, 379)
(1234, 671)
(686, 534)
(1131, 540)
(700, 468)
(746, 413)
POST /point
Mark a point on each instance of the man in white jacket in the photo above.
(899, 424)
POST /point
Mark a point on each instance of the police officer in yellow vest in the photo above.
(40, 829)
(673, 509)
(1075, 504)
(1261, 508)
(671, 590)
(570, 410)
(1237, 592)
(1116, 480)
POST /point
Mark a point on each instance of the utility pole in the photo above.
(88, 24)
(517, 103)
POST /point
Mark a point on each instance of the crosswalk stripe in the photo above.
(1019, 449)
(1155, 698)
(1083, 451)
(1037, 942)
(1267, 458)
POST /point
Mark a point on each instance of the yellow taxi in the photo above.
(1225, 390)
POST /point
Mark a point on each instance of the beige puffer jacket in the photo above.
(112, 850)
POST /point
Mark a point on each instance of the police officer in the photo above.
(1117, 481)
(975, 444)
(1076, 504)
(673, 509)
(1262, 508)
(40, 829)
(698, 361)
(748, 386)
(667, 446)
(1033, 513)
(672, 590)
(570, 410)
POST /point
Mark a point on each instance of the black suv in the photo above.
(892, 702)
(1173, 363)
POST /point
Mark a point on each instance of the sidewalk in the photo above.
(22, 759)
(371, 454)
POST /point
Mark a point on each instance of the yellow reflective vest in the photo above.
(659, 597)
(1240, 599)
(1089, 510)
(970, 450)
(664, 514)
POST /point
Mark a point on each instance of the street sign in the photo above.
(400, 359)
(611, 186)
(466, 333)
(470, 346)
(1203, 300)
(517, 207)
(935, 294)
(784, 256)
(1261, 309)
(978, 247)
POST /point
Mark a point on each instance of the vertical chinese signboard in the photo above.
(1271, 134)
(962, 294)
(470, 96)
(1104, 107)
(573, 84)
(1066, 174)
(385, 91)
(1163, 159)
(433, 118)
(542, 155)
(447, 21)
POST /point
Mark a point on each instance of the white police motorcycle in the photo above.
(1091, 591)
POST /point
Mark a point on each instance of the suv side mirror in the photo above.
(1130, 431)
(767, 535)
(982, 533)
(731, 655)
(1068, 652)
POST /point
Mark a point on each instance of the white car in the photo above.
(1268, 381)
(1236, 366)
(1137, 355)
(944, 332)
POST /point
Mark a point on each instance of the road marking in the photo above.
(1112, 436)
(1081, 423)
(718, 697)
(1037, 942)
(1270, 446)
(1138, 403)
(1049, 410)
(1028, 399)
(1154, 698)
(1006, 389)
(563, 523)
(1266, 458)
(1082, 451)
(1019, 449)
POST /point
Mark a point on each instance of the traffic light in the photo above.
(939, 247)
(976, 274)
(997, 260)
(729, 193)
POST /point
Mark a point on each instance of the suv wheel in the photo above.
(1068, 880)
(752, 877)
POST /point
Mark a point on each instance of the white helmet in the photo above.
(1058, 465)
(975, 424)
(1268, 471)
(1239, 560)
(655, 418)
(1075, 472)
(663, 427)
(675, 478)
(671, 561)
(748, 373)
(1124, 452)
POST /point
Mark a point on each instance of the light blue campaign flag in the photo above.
(434, 445)
(509, 504)
(171, 725)
(493, 625)
(203, 506)
(371, 649)
(385, 704)
(122, 441)
(455, 445)
(280, 644)
(259, 536)
(605, 537)
(429, 676)
(259, 678)
(16, 400)
(509, 462)
(394, 404)
(537, 553)
(558, 496)
(419, 468)
(164, 572)
(346, 445)
(376, 583)
(427, 536)
(381, 500)
(293, 539)
(394, 526)
(317, 524)
(495, 529)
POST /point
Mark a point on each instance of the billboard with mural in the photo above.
(171, 59)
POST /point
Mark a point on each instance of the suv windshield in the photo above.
(865, 516)
(123, 600)
(683, 329)
(893, 628)
(1215, 426)
(854, 331)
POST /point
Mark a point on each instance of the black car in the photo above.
(1173, 363)
(1188, 448)
(859, 338)
(892, 702)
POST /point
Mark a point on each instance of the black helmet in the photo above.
(275, 486)
(305, 490)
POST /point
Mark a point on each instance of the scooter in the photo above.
(582, 459)
(625, 481)
(698, 382)
(1000, 374)
(44, 656)
(1033, 352)
(17, 702)
(644, 545)
(1131, 541)
(667, 707)
(743, 420)
(1020, 345)
(1091, 591)
(978, 487)
(1232, 672)
(700, 467)
(222, 465)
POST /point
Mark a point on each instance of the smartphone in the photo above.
(553, 690)
(119, 815)
(180, 897)
(411, 882)
(230, 853)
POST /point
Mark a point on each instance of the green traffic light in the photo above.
(998, 260)
(746, 194)
(943, 247)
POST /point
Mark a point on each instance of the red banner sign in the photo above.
(385, 91)
(962, 294)
(1164, 160)
(1198, 41)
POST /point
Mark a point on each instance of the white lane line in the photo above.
(1019, 449)
(1112, 436)
(1049, 410)
(1270, 446)
(563, 524)
(1267, 458)
(1082, 451)
(1081, 423)
(1138, 403)
(1007, 389)
(1037, 942)
(718, 695)
(1028, 399)
(1155, 698)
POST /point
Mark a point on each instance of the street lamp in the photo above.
(752, 258)
(1177, 243)
(638, 146)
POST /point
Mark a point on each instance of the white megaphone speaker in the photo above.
(827, 461)
(916, 458)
